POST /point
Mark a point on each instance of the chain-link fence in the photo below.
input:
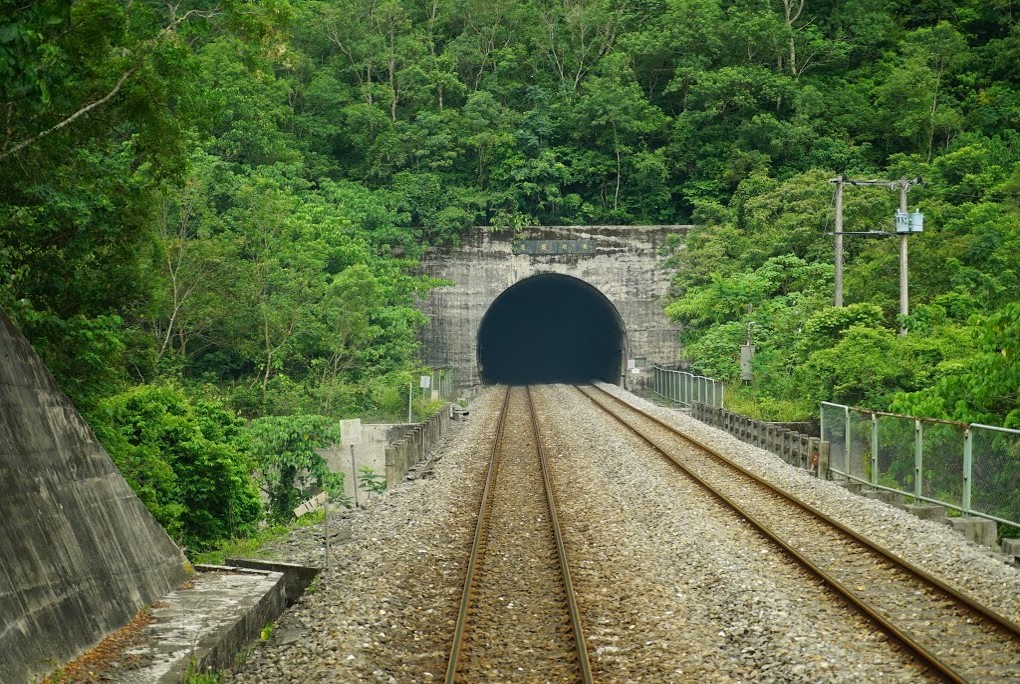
(972, 468)
(687, 388)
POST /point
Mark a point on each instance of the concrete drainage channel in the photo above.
(205, 623)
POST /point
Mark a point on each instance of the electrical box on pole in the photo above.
(907, 222)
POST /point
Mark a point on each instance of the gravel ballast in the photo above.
(671, 586)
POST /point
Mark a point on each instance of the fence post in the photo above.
(968, 466)
(823, 460)
(874, 449)
(918, 459)
(821, 421)
(847, 442)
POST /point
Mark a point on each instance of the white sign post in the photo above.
(325, 530)
(350, 435)
(425, 383)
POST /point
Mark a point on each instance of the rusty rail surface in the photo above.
(1006, 629)
(478, 546)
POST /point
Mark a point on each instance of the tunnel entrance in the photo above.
(550, 328)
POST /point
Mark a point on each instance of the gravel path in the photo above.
(386, 610)
(672, 587)
(960, 637)
(709, 599)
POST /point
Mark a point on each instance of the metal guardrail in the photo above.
(795, 448)
(969, 467)
(687, 388)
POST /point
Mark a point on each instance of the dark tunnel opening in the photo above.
(550, 328)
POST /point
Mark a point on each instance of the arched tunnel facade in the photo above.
(551, 328)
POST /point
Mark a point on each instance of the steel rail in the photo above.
(1007, 625)
(476, 544)
(575, 615)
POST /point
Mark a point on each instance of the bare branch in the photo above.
(81, 112)
(169, 28)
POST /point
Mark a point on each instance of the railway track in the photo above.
(518, 618)
(952, 633)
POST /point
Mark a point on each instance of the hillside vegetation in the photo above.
(211, 212)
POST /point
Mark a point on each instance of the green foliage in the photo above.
(195, 676)
(858, 370)
(371, 481)
(234, 199)
(257, 545)
(985, 387)
(284, 449)
(185, 461)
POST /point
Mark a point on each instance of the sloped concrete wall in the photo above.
(79, 552)
(625, 267)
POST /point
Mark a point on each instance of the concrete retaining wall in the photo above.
(793, 447)
(401, 455)
(376, 438)
(79, 552)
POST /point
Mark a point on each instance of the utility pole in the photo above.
(838, 180)
(910, 223)
(904, 285)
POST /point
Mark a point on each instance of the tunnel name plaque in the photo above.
(585, 246)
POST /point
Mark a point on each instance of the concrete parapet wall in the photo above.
(296, 578)
(795, 448)
(218, 647)
(402, 455)
(79, 552)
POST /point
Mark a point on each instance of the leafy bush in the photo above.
(284, 448)
(184, 460)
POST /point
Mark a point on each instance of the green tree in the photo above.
(284, 448)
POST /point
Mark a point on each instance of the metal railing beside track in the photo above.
(686, 388)
(968, 467)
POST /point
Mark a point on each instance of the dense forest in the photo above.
(211, 212)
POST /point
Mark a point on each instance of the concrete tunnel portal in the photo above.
(551, 328)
